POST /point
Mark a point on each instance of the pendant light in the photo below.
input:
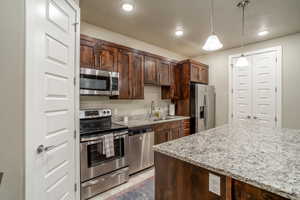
(242, 61)
(212, 43)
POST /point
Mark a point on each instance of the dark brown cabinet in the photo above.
(106, 58)
(87, 52)
(186, 72)
(137, 68)
(137, 76)
(186, 127)
(164, 73)
(124, 60)
(168, 131)
(157, 71)
(243, 191)
(151, 70)
(199, 73)
(131, 69)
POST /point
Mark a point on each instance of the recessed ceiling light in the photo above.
(263, 33)
(179, 32)
(128, 7)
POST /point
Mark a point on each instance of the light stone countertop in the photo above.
(144, 121)
(263, 157)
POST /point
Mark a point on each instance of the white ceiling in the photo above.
(154, 21)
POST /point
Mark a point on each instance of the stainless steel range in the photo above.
(104, 152)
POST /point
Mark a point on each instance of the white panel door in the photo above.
(264, 95)
(50, 115)
(242, 106)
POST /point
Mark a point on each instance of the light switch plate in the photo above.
(214, 184)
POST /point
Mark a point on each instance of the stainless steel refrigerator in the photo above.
(202, 107)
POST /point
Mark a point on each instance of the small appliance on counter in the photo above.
(171, 109)
(103, 152)
(98, 82)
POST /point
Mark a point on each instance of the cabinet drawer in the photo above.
(167, 125)
(103, 183)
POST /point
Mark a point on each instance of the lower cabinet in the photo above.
(165, 132)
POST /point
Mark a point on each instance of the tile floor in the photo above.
(135, 179)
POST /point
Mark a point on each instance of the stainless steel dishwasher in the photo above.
(141, 155)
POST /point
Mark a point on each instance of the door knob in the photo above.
(249, 117)
(41, 148)
(254, 117)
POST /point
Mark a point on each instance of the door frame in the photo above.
(278, 84)
(29, 96)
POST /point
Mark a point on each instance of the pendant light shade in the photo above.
(242, 61)
(212, 43)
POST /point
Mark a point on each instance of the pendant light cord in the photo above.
(243, 26)
(212, 16)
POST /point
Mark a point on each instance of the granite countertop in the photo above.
(263, 157)
(146, 121)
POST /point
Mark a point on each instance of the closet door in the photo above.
(264, 94)
(241, 92)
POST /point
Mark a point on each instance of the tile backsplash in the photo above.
(128, 107)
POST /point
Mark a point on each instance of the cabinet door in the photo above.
(106, 58)
(203, 75)
(195, 73)
(168, 92)
(151, 70)
(174, 133)
(164, 73)
(137, 76)
(124, 60)
(87, 52)
(162, 136)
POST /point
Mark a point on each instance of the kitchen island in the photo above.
(240, 161)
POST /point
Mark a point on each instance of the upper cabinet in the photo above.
(124, 60)
(131, 79)
(137, 68)
(193, 71)
(137, 76)
(164, 73)
(199, 73)
(94, 54)
(87, 52)
(157, 71)
(151, 70)
(106, 58)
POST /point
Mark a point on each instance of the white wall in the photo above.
(218, 63)
(127, 107)
(12, 99)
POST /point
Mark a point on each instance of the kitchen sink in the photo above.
(162, 119)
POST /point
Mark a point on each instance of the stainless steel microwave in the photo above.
(98, 82)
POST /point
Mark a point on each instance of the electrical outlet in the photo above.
(214, 184)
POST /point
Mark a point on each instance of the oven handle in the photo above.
(123, 134)
(110, 82)
(94, 142)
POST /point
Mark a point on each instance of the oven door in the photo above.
(94, 162)
(95, 82)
